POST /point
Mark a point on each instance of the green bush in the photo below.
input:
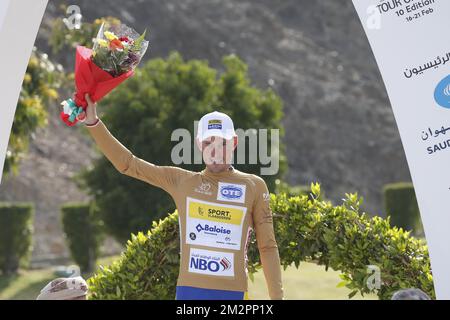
(307, 229)
(41, 80)
(83, 234)
(165, 95)
(16, 230)
(400, 204)
(146, 270)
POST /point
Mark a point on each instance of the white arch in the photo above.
(19, 24)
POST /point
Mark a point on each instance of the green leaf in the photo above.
(352, 294)
(138, 42)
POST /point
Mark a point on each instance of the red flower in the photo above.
(126, 39)
(116, 44)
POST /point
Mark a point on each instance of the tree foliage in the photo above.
(39, 88)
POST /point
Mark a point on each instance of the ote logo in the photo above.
(231, 192)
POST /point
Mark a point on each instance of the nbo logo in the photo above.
(202, 264)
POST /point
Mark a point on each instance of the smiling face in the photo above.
(217, 152)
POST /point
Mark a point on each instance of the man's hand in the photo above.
(91, 111)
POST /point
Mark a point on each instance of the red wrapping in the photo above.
(89, 78)
(65, 118)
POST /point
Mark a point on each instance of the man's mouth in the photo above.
(216, 161)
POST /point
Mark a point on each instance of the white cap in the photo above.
(216, 124)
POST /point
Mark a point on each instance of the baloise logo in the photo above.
(442, 93)
(212, 229)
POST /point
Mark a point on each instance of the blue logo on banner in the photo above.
(442, 93)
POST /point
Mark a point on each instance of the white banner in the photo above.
(19, 24)
(409, 39)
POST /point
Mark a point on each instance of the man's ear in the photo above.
(235, 142)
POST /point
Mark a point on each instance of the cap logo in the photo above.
(215, 124)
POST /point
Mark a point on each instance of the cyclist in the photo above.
(218, 209)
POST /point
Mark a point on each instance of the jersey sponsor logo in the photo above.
(215, 124)
(211, 262)
(215, 212)
(231, 192)
(212, 229)
(204, 188)
(214, 225)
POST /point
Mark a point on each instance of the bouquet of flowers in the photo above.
(112, 60)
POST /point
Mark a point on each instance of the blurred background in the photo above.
(302, 66)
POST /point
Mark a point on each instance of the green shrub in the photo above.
(146, 270)
(83, 234)
(307, 229)
(400, 204)
(16, 229)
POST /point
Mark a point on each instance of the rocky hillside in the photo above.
(340, 129)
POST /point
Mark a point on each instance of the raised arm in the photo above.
(267, 244)
(165, 177)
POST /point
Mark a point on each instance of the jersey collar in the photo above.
(231, 170)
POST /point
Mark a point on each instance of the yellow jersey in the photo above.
(217, 213)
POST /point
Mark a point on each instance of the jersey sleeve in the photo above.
(267, 245)
(164, 177)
